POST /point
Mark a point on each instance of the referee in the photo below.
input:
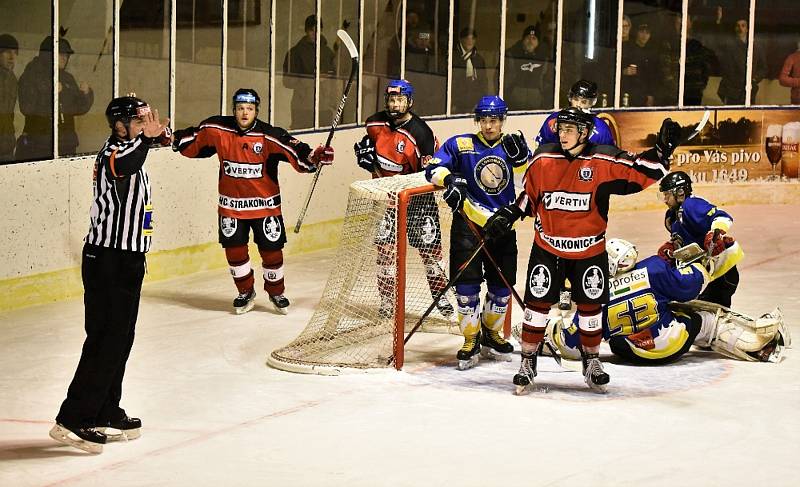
(112, 270)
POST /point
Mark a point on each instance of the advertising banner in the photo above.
(735, 145)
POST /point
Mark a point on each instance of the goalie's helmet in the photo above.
(399, 87)
(125, 108)
(491, 106)
(246, 95)
(577, 117)
(584, 89)
(676, 182)
(622, 256)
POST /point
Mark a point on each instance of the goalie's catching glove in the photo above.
(502, 221)
(455, 191)
(717, 241)
(365, 154)
(668, 137)
(516, 149)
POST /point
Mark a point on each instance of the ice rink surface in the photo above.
(215, 415)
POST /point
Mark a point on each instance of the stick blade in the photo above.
(348, 42)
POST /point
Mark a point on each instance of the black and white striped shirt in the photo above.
(121, 214)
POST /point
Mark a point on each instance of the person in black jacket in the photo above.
(469, 73)
(112, 270)
(528, 73)
(9, 49)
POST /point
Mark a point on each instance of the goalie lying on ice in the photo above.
(653, 318)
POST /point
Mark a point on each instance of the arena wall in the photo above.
(47, 206)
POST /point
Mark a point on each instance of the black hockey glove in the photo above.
(516, 149)
(365, 154)
(502, 221)
(455, 191)
(668, 138)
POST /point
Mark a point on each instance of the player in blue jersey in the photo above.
(692, 219)
(477, 172)
(643, 325)
(583, 95)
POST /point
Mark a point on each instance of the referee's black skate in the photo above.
(494, 346)
(593, 373)
(86, 439)
(523, 380)
(469, 354)
(244, 302)
(280, 303)
(126, 428)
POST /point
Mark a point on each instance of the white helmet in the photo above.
(622, 256)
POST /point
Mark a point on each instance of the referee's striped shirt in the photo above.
(121, 214)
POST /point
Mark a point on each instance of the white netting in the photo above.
(354, 324)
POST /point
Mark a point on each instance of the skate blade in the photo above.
(598, 388)
(61, 435)
(523, 390)
(279, 310)
(488, 352)
(467, 364)
(244, 309)
(120, 435)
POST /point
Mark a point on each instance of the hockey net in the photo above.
(388, 266)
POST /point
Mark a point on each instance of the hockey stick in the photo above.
(517, 297)
(697, 130)
(441, 293)
(351, 48)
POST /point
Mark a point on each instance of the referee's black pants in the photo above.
(112, 283)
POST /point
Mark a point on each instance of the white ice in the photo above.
(215, 414)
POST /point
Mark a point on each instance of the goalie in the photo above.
(651, 318)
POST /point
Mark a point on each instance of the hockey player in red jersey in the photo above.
(399, 142)
(567, 189)
(249, 152)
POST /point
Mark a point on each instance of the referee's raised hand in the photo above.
(152, 127)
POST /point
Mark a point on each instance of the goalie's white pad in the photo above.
(739, 336)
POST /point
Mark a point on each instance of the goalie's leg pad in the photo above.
(739, 336)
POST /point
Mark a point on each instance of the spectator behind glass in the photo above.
(698, 66)
(526, 71)
(36, 99)
(639, 61)
(9, 49)
(300, 62)
(732, 56)
(469, 73)
(790, 75)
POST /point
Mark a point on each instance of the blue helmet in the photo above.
(400, 87)
(491, 106)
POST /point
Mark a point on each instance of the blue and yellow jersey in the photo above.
(490, 177)
(601, 134)
(639, 298)
(694, 218)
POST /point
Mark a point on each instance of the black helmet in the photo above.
(674, 181)
(585, 89)
(576, 116)
(246, 95)
(125, 108)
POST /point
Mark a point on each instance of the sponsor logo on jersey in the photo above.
(567, 244)
(388, 164)
(258, 147)
(401, 146)
(492, 174)
(585, 174)
(530, 66)
(428, 160)
(539, 281)
(629, 282)
(272, 228)
(593, 282)
(249, 203)
(563, 200)
(227, 226)
(465, 144)
(242, 170)
(147, 221)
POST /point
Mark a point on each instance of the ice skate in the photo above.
(527, 371)
(86, 439)
(495, 346)
(124, 429)
(593, 373)
(244, 302)
(280, 303)
(444, 307)
(469, 354)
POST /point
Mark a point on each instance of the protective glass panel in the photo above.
(777, 45)
(530, 54)
(248, 50)
(381, 57)
(295, 61)
(335, 62)
(476, 53)
(426, 54)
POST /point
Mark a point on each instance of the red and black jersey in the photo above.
(569, 196)
(248, 170)
(400, 149)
